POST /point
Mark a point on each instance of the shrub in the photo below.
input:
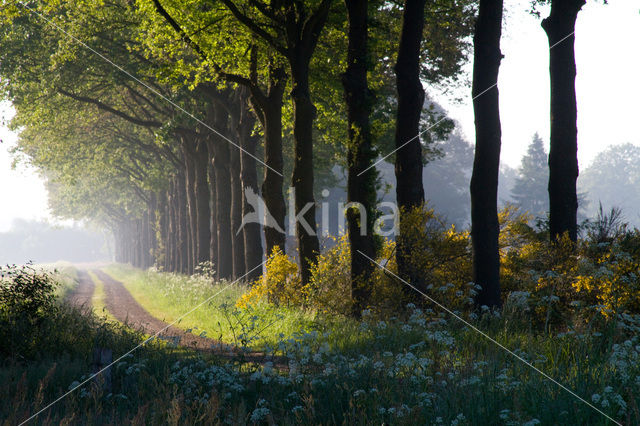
(281, 283)
(27, 299)
(440, 255)
(330, 286)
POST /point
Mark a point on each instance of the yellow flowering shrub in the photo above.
(280, 284)
(611, 282)
(330, 286)
(387, 297)
(440, 255)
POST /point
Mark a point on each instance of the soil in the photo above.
(121, 304)
(82, 294)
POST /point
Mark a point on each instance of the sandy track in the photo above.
(121, 304)
(82, 294)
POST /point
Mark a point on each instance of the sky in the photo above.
(22, 192)
(607, 83)
(608, 94)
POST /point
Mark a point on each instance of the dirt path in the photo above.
(121, 304)
(81, 295)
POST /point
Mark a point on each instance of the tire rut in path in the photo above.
(83, 293)
(127, 310)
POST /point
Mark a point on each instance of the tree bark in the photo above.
(408, 167)
(302, 179)
(213, 245)
(360, 186)
(172, 244)
(249, 178)
(223, 196)
(563, 154)
(203, 234)
(237, 237)
(188, 150)
(181, 216)
(269, 110)
(486, 165)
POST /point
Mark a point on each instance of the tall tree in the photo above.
(486, 163)
(212, 47)
(408, 167)
(293, 30)
(361, 181)
(530, 188)
(563, 154)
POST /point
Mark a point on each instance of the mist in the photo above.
(41, 242)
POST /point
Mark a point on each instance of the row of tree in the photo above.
(156, 117)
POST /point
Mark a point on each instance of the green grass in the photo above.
(423, 368)
(170, 296)
(98, 300)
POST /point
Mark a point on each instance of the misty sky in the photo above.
(607, 86)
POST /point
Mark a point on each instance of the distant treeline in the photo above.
(41, 242)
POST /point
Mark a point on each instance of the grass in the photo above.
(171, 296)
(98, 300)
(422, 368)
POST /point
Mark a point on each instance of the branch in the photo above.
(254, 28)
(183, 35)
(107, 108)
(312, 27)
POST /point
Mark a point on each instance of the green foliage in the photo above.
(565, 283)
(27, 299)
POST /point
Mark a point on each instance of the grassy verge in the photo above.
(422, 368)
(98, 300)
(170, 296)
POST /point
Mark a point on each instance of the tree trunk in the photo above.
(269, 110)
(213, 245)
(237, 236)
(223, 197)
(408, 167)
(153, 224)
(161, 254)
(249, 179)
(302, 179)
(183, 239)
(360, 186)
(563, 154)
(203, 233)
(172, 230)
(486, 165)
(188, 150)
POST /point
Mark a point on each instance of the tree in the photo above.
(486, 164)
(409, 189)
(361, 178)
(211, 29)
(530, 188)
(293, 30)
(432, 48)
(563, 154)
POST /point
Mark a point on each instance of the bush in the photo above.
(440, 255)
(27, 299)
(281, 284)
